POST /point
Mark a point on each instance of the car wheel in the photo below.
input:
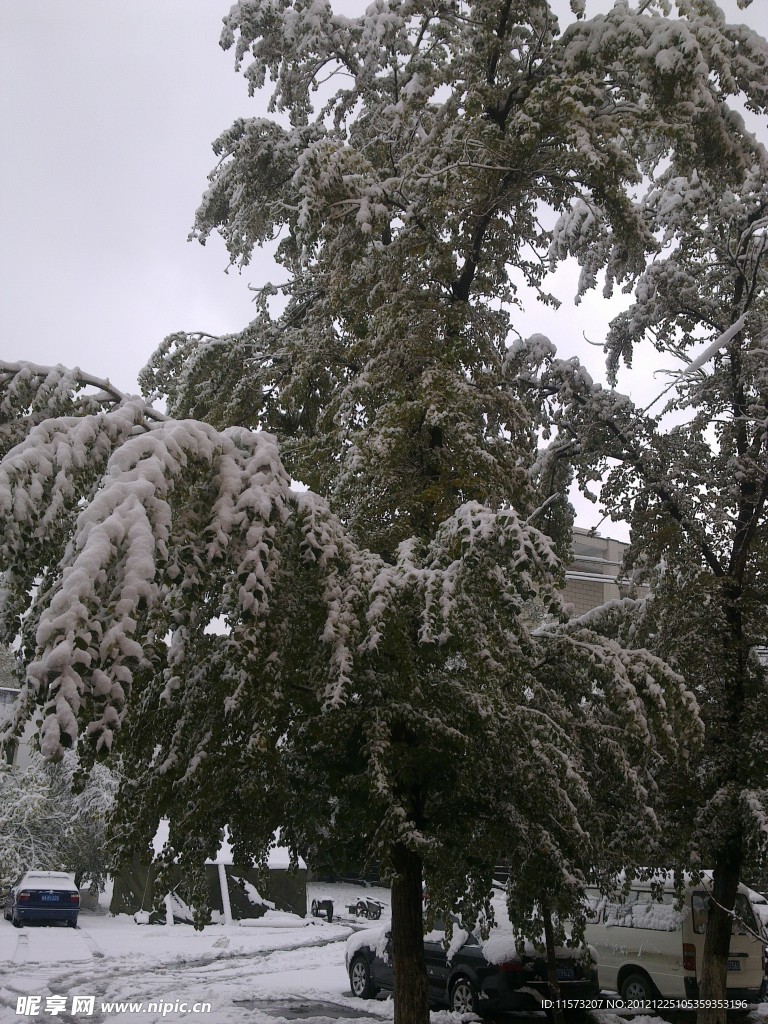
(361, 910)
(360, 979)
(463, 996)
(637, 986)
(15, 921)
(315, 911)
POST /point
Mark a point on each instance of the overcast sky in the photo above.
(108, 109)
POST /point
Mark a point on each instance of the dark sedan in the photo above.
(43, 896)
(471, 976)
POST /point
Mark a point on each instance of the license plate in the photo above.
(49, 897)
(564, 974)
(734, 965)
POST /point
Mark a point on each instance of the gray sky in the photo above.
(108, 109)
(108, 112)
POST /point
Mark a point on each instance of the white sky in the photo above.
(108, 109)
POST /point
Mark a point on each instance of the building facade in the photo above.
(594, 576)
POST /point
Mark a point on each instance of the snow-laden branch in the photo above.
(711, 350)
(140, 519)
(15, 375)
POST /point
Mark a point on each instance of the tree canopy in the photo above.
(348, 661)
(690, 475)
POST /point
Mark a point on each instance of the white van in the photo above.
(648, 949)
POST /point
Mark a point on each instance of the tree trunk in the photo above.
(557, 1014)
(730, 853)
(411, 991)
(714, 967)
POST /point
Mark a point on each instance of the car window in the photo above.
(641, 909)
(743, 920)
(700, 908)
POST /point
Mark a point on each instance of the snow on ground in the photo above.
(248, 974)
(232, 967)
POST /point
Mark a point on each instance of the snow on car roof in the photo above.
(49, 874)
(50, 879)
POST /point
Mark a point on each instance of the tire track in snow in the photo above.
(107, 973)
(91, 943)
(234, 975)
(21, 953)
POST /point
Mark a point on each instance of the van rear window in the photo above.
(743, 920)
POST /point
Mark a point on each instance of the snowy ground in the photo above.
(260, 973)
(232, 967)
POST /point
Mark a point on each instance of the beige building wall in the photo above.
(594, 576)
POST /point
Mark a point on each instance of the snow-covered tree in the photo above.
(46, 826)
(690, 474)
(378, 656)
(9, 671)
(10, 679)
(29, 834)
(350, 699)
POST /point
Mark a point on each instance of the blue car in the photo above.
(46, 897)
